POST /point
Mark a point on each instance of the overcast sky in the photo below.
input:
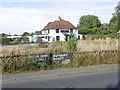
(32, 15)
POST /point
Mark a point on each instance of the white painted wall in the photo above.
(14, 36)
(75, 32)
(30, 38)
(34, 38)
(81, 36)
(52, 34)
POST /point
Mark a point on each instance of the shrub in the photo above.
(71, 43)
(85, 31)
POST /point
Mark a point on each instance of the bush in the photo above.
(71, 43)
(85, 31)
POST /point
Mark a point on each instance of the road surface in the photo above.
(101, 79)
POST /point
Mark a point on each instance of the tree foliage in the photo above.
(103, 29)
(113, 23)
(89, 21)
(3, 35)
(118, 15)
(38, 32)
(25, 34)
(85, 31)
(90, 24)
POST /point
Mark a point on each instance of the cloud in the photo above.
(59, 0)
(20, 19)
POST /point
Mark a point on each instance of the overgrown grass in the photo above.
(82, 45)
(95, 58)
(97, 45)
(20, 50)
(88, 52)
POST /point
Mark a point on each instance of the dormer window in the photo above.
(57, 30)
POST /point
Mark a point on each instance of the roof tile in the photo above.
(59, 25)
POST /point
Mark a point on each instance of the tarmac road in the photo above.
(100, 79)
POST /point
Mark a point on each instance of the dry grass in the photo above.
(20, 50)
(23, 51)
(95, 58)
(82, 45)
(95, 45)
(93, 54)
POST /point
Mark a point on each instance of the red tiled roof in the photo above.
(59, 25)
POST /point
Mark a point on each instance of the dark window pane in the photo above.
(71, 30)
(48, 38)
(64, 31)
(45, 37)
(57, 30)
(58, 38)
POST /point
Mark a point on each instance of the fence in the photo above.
(26, 62)
(31, 62)
(95, 58)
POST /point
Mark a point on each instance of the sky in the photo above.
(18, 16)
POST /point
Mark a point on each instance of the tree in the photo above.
(114, 24)
(25, 34)
(89, 21)
(3, 35)
(104, 29)
(38, 32)
(104, 26)
(85, 31)
(118, 15)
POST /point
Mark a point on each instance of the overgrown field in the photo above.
(82, 45)
(88, 52)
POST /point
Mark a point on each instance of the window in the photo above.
(42, 37)
(57, 38)
(57, 30)
(65, 31)
(45, 37)
(48, 38)
(71, 30)
(48, 31)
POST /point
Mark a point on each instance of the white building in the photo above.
(58, 31)
(14, 37)
(118, 32)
